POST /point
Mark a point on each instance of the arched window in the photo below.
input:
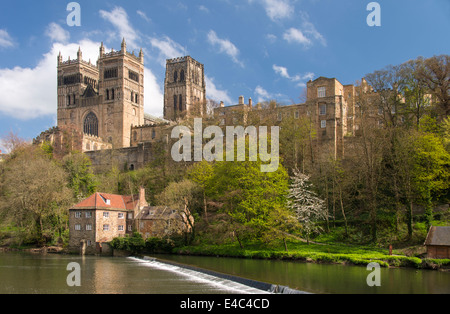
(175, 102)
(182, 76)
(112, 93)
(153, 134)
(132, 97)
(175, 77)
(107, 94)
(181, 103)
(74, 99)
(91, 124)
(68, 100)
(137, 98)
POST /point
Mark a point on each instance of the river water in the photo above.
(22, 273)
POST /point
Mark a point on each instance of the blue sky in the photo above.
(263, 49)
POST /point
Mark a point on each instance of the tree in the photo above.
(184, 197)
(201, 174)
(307, 206)
(81, 178)
(36, 196)
(248, 196)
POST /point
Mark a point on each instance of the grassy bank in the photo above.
(315, 253)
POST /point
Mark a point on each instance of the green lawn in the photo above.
(328, 253)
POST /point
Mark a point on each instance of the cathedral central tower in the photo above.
(184, 89)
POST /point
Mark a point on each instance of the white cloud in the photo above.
(203, 8)
(5, 39)
(225, 46)
(153, 98)
(263, 95)
(276, 9)
(283, 72)
(307, 35)
(212, 92)
(296, 35)
(30, 93)
(168, 49)
(143, 15)
(118, 17)
(56, 33)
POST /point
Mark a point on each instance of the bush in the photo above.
(134, 244)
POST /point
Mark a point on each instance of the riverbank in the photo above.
(318, 253)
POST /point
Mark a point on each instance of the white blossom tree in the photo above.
(307, 206)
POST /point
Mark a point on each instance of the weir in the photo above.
(229, 282)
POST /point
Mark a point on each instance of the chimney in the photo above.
(250, 103)
(222, 104)
(241, 100)
(142, 202)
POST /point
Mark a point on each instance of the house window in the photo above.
(120, 216)
(130, 228)
(323, 124)
(141, 225)
(78, 227)
(153, 134)
(88, 215)
(88, 227)
(321, 92)
(105, 215)
(280, 116)
(323, 110)
(105, 227)
(297, 115)
(88, 242)
(121, 228)
(78, 215)
(130, 215)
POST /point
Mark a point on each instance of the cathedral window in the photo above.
(112, 94)
(68, 100)
(91, 124)
(175, 77)
(182, 76)
(133, 76)
(137, 98)
(74, 99)
(107, 94)
(181, 103)
(132, 96)
(175, 102)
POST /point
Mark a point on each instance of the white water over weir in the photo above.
(227, 282)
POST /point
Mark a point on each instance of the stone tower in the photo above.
(184, 88)
(102, 101)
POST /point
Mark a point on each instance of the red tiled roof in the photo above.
(100, 200)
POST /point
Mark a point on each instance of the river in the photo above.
(22, 273)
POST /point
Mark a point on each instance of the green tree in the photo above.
(81, 178)
(248, 196)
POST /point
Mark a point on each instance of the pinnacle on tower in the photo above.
(102, 50)
(79, 54)
(124, 45)
(60, 58)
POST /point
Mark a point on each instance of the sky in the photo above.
(260, 49)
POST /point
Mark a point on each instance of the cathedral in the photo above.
(105, 102)
(101, 108)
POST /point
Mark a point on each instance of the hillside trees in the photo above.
(35, 196)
